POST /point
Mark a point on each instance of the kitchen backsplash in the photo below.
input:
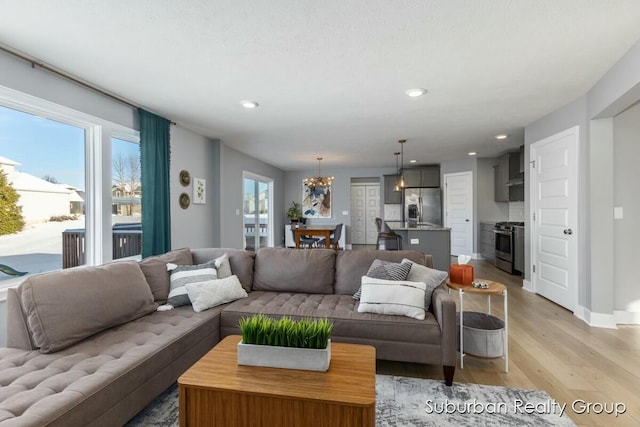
(516, 211)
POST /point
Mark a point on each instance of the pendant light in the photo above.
(397, 186)
(401, 181)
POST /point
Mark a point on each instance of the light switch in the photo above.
(345, 213)
(237, 211)
(415, 241)
(617, 212)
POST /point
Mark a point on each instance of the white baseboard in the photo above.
(624, 317)
(527, 286)
(597, 320)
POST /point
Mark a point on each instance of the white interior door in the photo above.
(554, 198)
(373, 211)
(358, 215)
(365, 207)
(458, 201)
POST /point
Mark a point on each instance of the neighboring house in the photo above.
(39, 199)
(76, 199)
(125, 201)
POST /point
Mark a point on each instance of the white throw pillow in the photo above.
(401, 298)
(209, 294)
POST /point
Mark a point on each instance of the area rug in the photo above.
(409, 402)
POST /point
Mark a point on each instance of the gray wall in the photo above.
(199, 225)
(233, 164)
(626, 176)
(340, 192)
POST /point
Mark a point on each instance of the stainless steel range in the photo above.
(509, 246)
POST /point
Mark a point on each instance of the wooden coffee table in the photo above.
(216, 391)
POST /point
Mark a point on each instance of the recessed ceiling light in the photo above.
(472, 153)
(413, 93)
(413, 161)
(502, 136)
(249, 104)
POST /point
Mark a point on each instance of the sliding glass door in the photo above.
(258, 208)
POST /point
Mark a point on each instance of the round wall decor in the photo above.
(185, 200)
(185, 178)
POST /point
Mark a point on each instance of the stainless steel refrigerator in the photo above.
(422, 206)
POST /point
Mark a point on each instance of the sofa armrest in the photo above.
(444, 308)
(18, 335)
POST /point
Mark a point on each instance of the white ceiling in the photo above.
(330, 76)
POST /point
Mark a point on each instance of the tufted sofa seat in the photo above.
(391, 335)
(86, 346)
(107, 379)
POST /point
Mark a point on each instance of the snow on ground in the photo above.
(38, 248)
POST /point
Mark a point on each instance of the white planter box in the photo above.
(308, 359)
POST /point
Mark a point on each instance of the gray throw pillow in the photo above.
(223, 266)
(181, 275)
(429, 276)
(155, 271)
(386, 270)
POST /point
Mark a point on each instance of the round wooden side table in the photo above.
(495, 288)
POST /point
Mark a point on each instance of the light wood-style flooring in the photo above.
(550, 349)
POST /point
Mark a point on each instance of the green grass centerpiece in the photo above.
(286, 332)
(285, 343)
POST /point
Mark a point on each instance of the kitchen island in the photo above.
(433, 240)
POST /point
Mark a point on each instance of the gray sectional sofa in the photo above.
(86, 346)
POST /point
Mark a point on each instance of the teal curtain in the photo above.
(154, 157)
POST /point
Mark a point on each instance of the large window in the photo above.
(126, 197)
(61, 205)
(43, 162)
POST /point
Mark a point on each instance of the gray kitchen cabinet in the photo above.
(430, 176)
(501, 179)
(487, 240)
(391, 197)
(412, 177)
(423, 176)
(509, 181)
(521, 159)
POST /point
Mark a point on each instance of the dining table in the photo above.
(315, 230)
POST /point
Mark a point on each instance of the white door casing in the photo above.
(365, 207)
(554, 208)
(458, 202)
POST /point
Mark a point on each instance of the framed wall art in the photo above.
(316, 200)
(199, 191)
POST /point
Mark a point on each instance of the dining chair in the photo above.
(386, 234)
(305, 241)
(335, 238)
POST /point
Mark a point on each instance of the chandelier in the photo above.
(322, 181)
